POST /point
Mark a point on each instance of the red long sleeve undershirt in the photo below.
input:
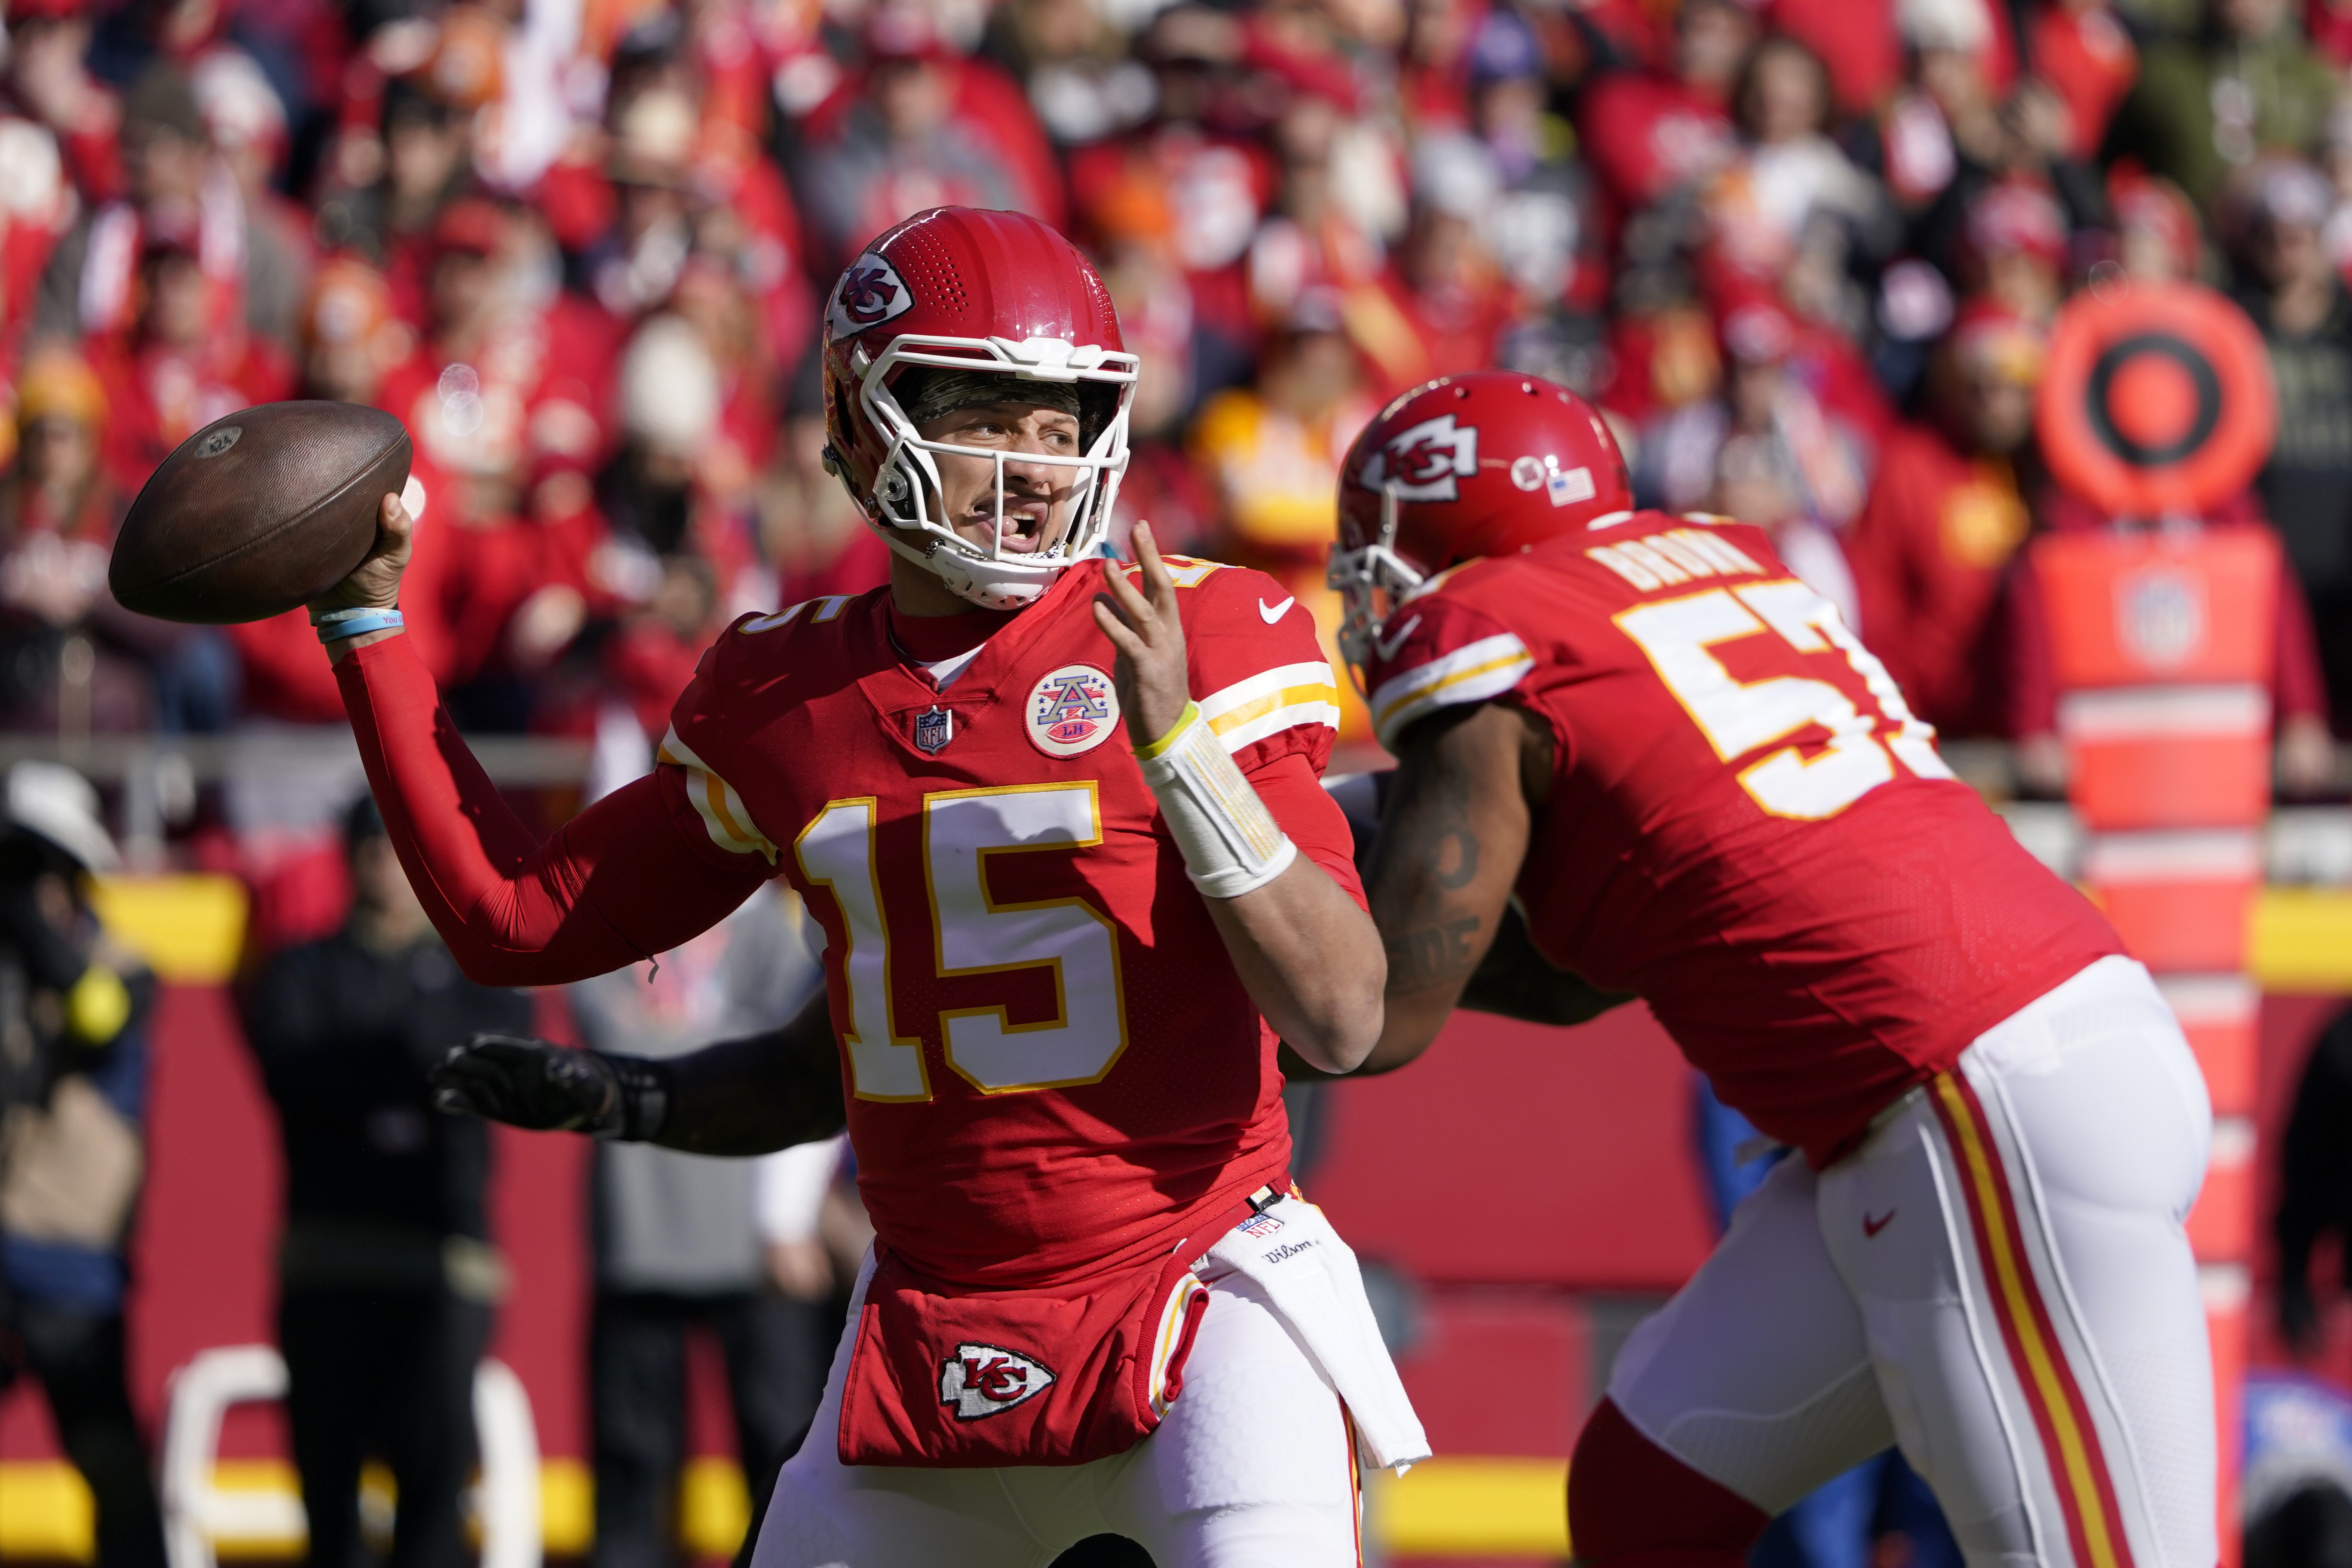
(615, 885)
(622, 881)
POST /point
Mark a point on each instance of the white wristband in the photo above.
(1230, 841)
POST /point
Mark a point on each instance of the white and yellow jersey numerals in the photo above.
(837, 852)
(1741, 717)
(980, 934)
(974, 934)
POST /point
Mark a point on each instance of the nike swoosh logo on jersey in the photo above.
(1872, 1227)
(1387, 647)
(1271, 615)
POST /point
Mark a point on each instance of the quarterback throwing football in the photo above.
(1640, 751)
(1062, 825)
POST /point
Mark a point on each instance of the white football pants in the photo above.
(1996, 1280)
(1254, 1467)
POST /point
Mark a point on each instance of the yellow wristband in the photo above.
(1159, 747)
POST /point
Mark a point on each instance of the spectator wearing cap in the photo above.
(2012, 249)
(2157, 237)
(72, 1146)
(924, 128)
(1648, 133)
(2249, 83)
(1945, 515)
(387, 1278)
(2288, 286)
(176, 193)
(57, 483)
(70, 661)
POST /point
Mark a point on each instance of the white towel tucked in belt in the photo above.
(1292, 1253)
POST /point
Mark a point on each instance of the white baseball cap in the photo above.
(57, 804)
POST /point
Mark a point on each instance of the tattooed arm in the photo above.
(1453, 833)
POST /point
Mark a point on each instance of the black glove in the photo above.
(530, 1083)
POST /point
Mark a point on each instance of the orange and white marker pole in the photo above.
(2163, 643)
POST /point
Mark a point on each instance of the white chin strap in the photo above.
(992, 584)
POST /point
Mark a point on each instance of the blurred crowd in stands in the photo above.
(1806, 253)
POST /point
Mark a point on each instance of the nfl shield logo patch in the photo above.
(1071, 711)
(933, 729)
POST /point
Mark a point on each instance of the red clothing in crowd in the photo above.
(2089, 58)
(286, 673)
(1927, 554)
(158, 397)
(1646, 133)
(1856, 40)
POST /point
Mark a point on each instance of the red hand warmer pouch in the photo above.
(946, 1377)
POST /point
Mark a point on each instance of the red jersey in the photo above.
(1745, 824)
(1050, 1064)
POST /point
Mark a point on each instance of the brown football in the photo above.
(258, 512)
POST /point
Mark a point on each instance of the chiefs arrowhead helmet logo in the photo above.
(870, 293)
(1424, 462)
(988, 1380)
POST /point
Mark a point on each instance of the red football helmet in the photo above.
(994, 292)
(1484, 464)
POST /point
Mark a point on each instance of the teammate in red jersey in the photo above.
(1061, 824)
(1636, 744)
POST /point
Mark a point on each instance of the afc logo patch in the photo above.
(933, 729)
(1071, 711)
(980, 1381)
(870, 293)
(1426, 462)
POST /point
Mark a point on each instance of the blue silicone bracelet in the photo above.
(336, 627)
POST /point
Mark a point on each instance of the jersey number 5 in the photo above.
(1741, 717)
(974, 934)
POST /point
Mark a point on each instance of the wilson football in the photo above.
(258, 512)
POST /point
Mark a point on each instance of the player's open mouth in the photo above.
(1021, 528)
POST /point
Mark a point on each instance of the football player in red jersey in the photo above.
(1061, 824)
(1637, 755)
